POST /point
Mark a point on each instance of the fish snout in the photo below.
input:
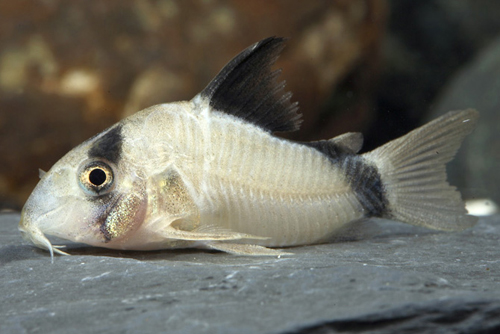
(31, 232)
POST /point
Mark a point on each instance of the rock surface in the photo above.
(393, 278)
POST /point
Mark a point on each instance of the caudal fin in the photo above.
(413, 173)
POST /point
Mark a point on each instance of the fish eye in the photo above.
(96, 178)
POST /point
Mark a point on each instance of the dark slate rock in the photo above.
(475, 170)
(393, 278)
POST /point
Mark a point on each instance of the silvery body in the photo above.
(210, 173)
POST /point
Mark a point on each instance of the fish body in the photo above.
(210, 173)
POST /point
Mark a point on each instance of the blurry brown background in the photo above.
(69, 69)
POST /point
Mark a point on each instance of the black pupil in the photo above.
(97, 177)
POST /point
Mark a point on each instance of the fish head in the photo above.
(90, 196)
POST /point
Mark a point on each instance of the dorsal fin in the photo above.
(246, 88)
(346, 144)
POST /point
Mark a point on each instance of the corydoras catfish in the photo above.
(209, 173)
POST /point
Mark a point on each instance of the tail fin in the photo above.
(413, 173)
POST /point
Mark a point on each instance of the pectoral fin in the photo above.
(206, 234)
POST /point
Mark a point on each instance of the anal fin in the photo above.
(245, 249)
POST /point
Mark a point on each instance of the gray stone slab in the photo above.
(394, 278)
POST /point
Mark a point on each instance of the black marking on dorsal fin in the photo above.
(346, 144)
(108, 146)
(246, 88)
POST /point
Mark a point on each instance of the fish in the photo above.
(212, 173)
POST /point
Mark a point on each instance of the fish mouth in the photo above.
(31, 232)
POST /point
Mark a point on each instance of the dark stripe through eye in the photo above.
(109, 146)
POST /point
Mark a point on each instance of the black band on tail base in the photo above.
(365, 181)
